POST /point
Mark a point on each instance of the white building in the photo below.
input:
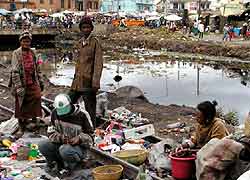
(173, 6)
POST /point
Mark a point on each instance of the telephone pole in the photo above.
(199, 9)
(86, 7)
(118, 7)
(166, 4)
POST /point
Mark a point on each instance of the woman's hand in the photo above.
(181, 148)
(65, 139)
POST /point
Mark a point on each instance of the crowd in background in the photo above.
(28, 20)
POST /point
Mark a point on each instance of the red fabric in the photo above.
(31, 106)
(28, 66)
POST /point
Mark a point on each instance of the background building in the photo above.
(92, 5)
(177, 6)
(17, 4)
(55, 5)
(51, 5)
(127, 5)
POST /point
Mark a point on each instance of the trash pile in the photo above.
(20, 159)
(177, 128)
(123, 130)
(161, 33)
(125, 135)
(173, 41)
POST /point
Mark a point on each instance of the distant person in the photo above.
(123, 23)
(231, 32)
(195, 28)
(19, 22)
(184, 30)
(26, 85)
(225, 33)
(88, 70)
(244, 31)
(190, 26)
(173, 26)
(201, 29)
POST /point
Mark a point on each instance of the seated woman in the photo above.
(208, 126)
(225, 159)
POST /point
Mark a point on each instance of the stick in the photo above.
(6, 109)
(3, 65)
(3, 85)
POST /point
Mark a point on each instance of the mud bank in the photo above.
(157, 39)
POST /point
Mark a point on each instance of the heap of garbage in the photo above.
(123, 134)
(154, 33)
(130, 137)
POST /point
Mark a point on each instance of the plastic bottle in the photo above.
(6, 142)
(4, 153)
(33, 154)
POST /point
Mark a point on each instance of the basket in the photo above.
(107, 172)
(135, 156)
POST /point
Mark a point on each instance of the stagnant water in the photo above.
(175, 82)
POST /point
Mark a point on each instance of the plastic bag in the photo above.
(143, 174)
(10, 126)
(245, 176)
(158, 158)
(102, 104)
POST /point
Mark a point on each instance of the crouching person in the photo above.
(69, 136)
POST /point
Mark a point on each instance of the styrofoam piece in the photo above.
(139, 132)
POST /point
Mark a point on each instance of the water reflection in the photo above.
(177, 82)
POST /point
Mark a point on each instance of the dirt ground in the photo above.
(158, 39)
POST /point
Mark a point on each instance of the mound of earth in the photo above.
(157, 39)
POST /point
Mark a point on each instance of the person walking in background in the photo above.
(19, 22)
(201, 30)
(26, 85)
(88, 69)
(244, 31)
(231, 32)
(195, 27)
(225, 33)
(123, 23)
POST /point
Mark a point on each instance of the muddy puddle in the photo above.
(175, 82)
